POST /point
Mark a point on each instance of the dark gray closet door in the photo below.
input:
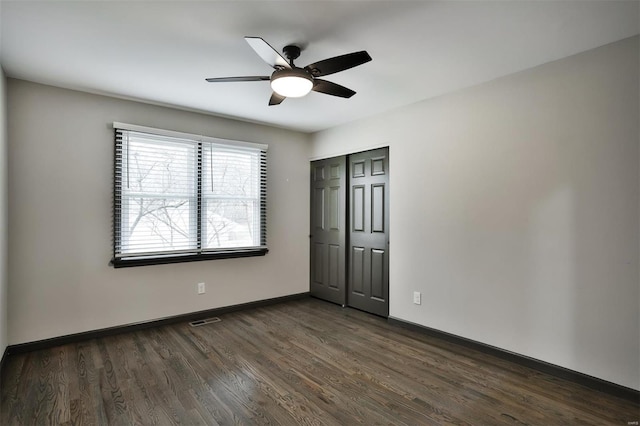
(368, 283)
(328, 229)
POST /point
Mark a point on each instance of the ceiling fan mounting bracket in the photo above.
(291, 52)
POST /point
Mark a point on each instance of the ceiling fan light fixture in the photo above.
(292, 83)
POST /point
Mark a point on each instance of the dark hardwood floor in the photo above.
(302, 362)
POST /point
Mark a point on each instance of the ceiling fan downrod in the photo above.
(291, 52)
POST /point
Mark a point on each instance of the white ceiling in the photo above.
(161, 52)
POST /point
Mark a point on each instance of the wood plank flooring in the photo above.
(304, 362)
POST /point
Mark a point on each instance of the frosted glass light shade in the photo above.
(291, 83)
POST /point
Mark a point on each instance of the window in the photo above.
(181, 197)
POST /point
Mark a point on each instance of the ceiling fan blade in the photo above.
(276, 99)
(267, 53)
(233, 79)
(338, 63)
(329, 88)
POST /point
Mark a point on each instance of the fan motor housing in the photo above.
(292, 72)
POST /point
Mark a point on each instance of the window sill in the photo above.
(163, 260)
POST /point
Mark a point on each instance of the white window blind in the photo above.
(180, 197)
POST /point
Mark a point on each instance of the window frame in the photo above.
(200, 253)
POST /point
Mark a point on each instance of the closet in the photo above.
(349, 241)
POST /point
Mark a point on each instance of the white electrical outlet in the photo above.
(417, 297)
(201, 288)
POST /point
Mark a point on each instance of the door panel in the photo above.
(318, 268)
(377, 273)
(335, 207)
(328, 229)
(319, 209)
(377, 208)
(334, 266)
(368, 286)
(357, 270)
(357, 208)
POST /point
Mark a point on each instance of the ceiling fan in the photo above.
(290, 81)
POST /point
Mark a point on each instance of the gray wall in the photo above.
(60, 205)
(3, 215)
(515, 210)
